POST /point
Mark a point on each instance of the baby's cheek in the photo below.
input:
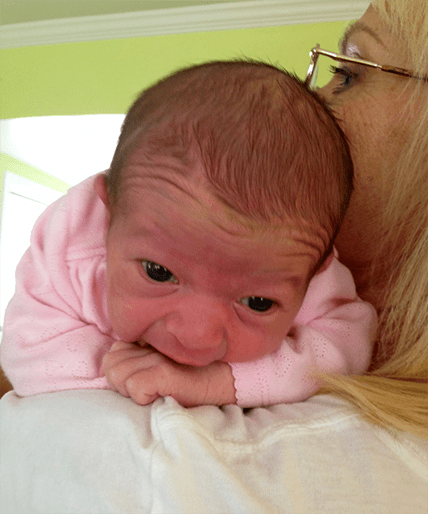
(275, 333)
(275, 339)
(123, 317)
(121, 309)
(252, 343)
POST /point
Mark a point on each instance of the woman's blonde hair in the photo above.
(394, 393)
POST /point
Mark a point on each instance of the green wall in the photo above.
(105, 76)
(101, 77)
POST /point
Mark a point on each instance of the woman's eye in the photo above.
(157, 272)
(345, 76)
(257, 303)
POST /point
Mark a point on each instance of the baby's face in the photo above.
(188, 279)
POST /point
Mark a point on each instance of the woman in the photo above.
(384, 238)
(94, 451)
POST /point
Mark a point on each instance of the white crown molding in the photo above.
(201, 18)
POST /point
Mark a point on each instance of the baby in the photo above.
(201, 265)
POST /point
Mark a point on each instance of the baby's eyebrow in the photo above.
(282, 277)
(358, 26)
(142, 231)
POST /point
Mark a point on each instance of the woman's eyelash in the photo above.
(346, 76)
(346, 72)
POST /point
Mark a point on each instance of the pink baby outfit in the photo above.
(57, 329)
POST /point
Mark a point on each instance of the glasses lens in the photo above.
(340, 74)
(311, 75)
(324, 70)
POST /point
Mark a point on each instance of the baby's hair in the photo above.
(270, 148)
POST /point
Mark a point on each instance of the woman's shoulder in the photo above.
(315, 456)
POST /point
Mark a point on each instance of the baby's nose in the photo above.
(199, 324)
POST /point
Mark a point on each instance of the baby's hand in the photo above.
(144, 374)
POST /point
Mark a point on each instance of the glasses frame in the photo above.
(311, 74)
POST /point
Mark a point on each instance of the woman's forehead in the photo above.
(372, 31)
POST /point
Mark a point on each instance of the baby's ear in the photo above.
(326, 263)
(101, 188)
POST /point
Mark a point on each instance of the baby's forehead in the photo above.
(162, 178)
(179, 199)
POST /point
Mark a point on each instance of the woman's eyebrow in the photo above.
(358, 26)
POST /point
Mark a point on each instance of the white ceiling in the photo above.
(22, 11)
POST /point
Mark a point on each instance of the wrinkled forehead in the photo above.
(161, 179)
(183, 198)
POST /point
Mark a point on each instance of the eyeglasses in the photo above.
(311, 76)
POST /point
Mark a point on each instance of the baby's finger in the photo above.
(119, 346)
(122, 366)
(145, 385)
(121, 351)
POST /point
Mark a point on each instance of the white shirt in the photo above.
(94, 451)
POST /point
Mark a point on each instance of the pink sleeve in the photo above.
(334, 331)
(56, 330)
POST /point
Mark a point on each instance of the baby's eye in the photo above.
(257, 303)
(157, 272)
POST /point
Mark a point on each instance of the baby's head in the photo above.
(226, 191)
